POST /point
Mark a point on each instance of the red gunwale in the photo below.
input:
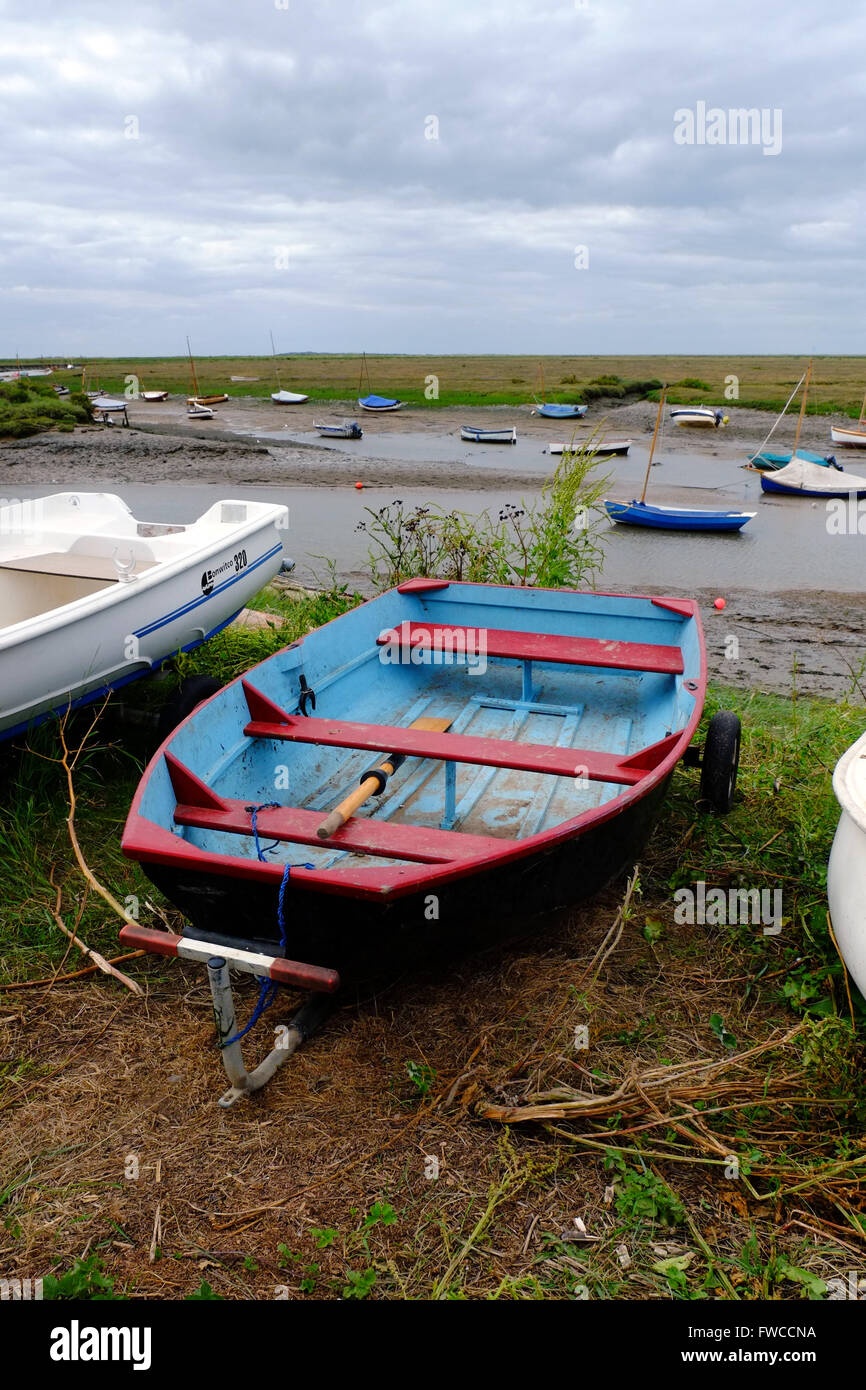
(145, 841)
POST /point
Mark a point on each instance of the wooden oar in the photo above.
(373, 784)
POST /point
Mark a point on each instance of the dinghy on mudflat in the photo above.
(767, 462)
(521, 742)
(698, 416)
(379, 404)
(288, 397)
(606, 448)
(802, 478)
(552, 411)
(473, 435)
(675, 518)
(90, 598)
(846, 871)
(639, 512)
(853, 436)
(346, 429)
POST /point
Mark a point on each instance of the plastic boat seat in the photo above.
(72, 565)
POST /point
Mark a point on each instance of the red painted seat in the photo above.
(269, 721)
(538, 646)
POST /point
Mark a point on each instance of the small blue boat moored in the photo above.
(675, 518)
(560, 412)
(379, 404)
(442, 761)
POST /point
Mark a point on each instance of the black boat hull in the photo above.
(363, 939)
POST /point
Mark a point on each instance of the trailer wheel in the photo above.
(721, 761)
(186, 698)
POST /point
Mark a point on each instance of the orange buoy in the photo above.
(359, 485)
(719, 603)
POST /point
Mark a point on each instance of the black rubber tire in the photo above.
(186, 698)
(720, 761)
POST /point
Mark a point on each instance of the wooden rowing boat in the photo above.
(566, 713)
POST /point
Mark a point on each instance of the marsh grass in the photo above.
(31, 407)
(764, 382)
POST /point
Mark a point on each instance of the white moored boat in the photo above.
(702, 416)
(90, 598)
(479, 436)
(846, 873)
(852, 435)
(288, 397)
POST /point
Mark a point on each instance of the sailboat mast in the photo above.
(192, 369)
(276, 368)
(653, 445)
(862, 412)
(802, 409)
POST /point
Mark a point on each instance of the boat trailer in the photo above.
(322, 986)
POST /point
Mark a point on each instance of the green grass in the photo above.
(764, 382)
(31, 407)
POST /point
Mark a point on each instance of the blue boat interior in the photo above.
(367, 667)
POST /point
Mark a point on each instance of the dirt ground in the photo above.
(115, 1148)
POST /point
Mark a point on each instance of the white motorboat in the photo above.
(196, 411)
(91, 598)
(701, 416)
(346, 429)
(846, 872)
(288, 397)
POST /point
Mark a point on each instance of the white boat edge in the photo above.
(846, 869)
(141, 591)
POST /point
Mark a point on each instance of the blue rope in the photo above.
(268, 988)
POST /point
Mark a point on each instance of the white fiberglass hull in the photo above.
(846, 872)
(842, 434)
(288, 398)
(697, 419)
(90, 598)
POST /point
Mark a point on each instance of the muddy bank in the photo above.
(789, 643)
(245, 444)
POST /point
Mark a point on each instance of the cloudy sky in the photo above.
(223, 168)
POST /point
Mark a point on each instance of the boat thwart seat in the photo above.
(541, 646)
